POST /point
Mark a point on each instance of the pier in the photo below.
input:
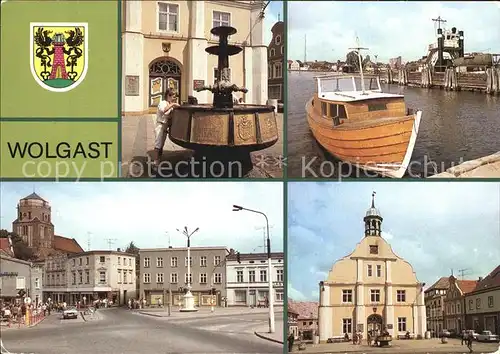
(451, 79)
(484, 167)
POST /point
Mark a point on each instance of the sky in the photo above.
(273, 12)
(435, 226)
(144, 211)
(388, 29)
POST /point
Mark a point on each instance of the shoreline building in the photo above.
(371, 288)
(164, 274)
(164, 46)
(247, 280)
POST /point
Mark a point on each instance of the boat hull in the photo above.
(384, 146)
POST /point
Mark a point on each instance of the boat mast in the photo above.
(358, 50)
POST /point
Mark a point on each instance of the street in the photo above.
(120, 331)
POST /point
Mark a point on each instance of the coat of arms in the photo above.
(59, 54)
(245, 128)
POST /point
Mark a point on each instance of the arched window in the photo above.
(277, 40)
(164, 67)
(272, 52)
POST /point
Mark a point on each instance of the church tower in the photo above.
(373, 220)
(34, 223)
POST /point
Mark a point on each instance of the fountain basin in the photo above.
(244, 127)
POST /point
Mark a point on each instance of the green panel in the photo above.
(94, 95)
(59, 149)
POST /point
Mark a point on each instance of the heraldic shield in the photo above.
(59, 54)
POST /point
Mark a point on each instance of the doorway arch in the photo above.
(374, 322)
(164, 72)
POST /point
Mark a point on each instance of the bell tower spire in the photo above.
(373, 220)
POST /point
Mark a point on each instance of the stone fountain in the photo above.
(224, 132)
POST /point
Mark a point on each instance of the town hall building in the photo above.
(371, 288)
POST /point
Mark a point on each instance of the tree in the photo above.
(132, 248)
(21, 249)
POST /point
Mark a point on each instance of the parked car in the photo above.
(469, 331)
(70, 312)
(487, 336)
(445, 333)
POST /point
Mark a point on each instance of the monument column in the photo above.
(360, 298)
(133, 58)
(197, 42)
(259, 57)
(389, 307)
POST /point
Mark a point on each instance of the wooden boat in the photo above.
(362, 125)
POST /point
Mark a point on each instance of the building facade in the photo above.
(434, 305)
(34, 225)
(454, 304)
(164, 46)
(17, 275)
(306, 319)
(371, 288)
(293, 65)
(276, 60)
(89, 276)
(164, 274)
(483, 304)
(247, 282)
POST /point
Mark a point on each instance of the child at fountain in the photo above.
(163, 117)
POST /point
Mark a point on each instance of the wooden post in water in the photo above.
(489, 80)
(495, 81)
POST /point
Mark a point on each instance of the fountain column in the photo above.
(197, 68)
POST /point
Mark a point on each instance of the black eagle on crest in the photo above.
(45, 49)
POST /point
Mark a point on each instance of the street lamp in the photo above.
(270, 281)
(188, 297)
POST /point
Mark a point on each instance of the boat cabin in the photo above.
(353, 98)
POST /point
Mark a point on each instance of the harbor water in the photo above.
(455, 127)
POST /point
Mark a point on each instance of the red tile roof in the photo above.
(492, 280)
(5, 246)
(467, 285)
(68, 245)
(305, 309)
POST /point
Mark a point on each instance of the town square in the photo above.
(130, 279)
(396, 275)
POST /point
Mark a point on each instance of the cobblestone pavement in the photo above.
(138, 141)
(121, 331)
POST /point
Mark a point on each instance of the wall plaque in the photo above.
(198, 84)
(131, 85)
(389, 326)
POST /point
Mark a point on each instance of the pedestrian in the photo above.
(469, 342)
(163, 121)
(159, 303)
(369, 338)
(144, 303)
(291, 338)
(464, 333)
(354, 338)
(360, 338)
